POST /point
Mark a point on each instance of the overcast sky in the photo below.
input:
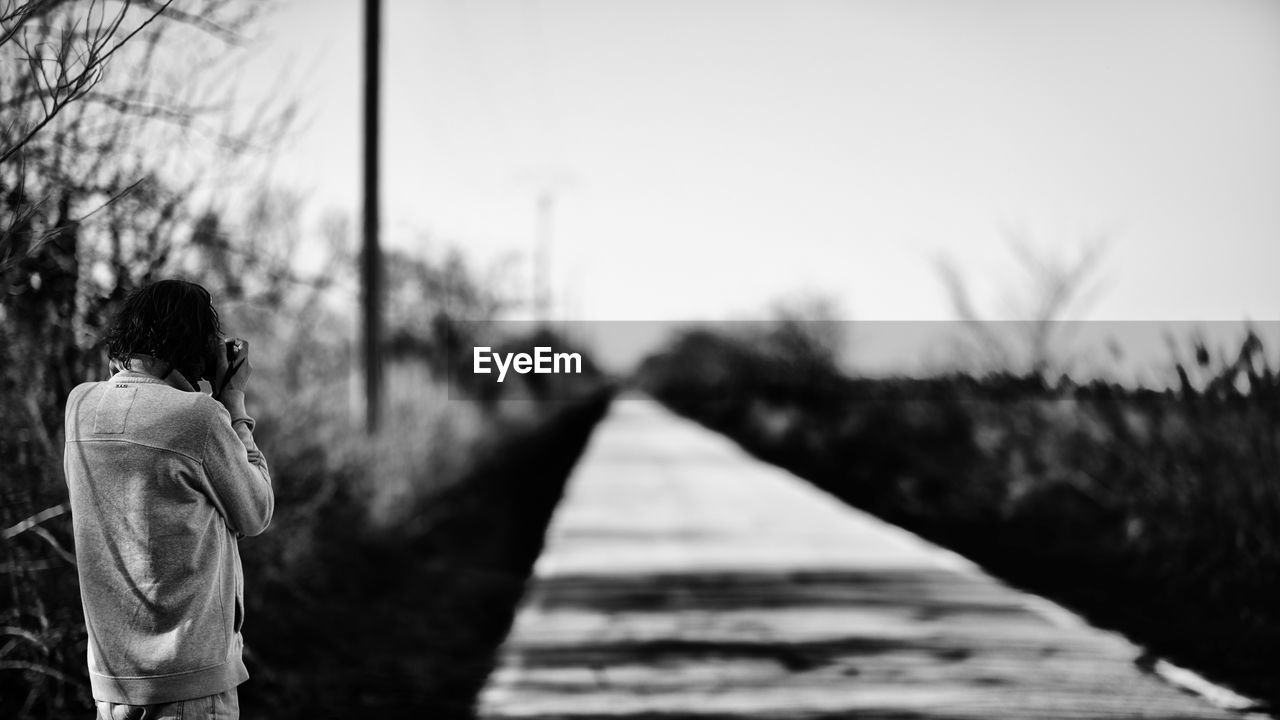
(710, 156)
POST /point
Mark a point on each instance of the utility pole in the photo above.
(542, 256)
(371, 258)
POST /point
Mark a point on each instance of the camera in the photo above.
(226, 346)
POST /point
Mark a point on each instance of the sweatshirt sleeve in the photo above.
(237, 470)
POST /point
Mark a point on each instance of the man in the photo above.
(164, 479)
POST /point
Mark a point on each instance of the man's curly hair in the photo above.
(171, 320)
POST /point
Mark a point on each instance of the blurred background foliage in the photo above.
(1152, 511)
(122, 162)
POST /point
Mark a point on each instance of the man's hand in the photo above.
(233, 373)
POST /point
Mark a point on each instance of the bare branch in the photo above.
(48, 537)
(226, 34)
(112, 200)
(75, 87)
(25, 634)
(35, 520)
(159, 109)
(1058, 288)
(24, 14)
(988, 342)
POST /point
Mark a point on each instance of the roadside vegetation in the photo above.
(1151, 511)
(415, 528)
(352, 617)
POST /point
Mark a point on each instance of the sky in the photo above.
(708, 158)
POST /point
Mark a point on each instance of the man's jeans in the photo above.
(223, 706)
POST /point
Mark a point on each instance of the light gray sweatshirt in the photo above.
(163, 480)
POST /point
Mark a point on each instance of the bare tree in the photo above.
(94, 201)
(94, 96)
(1056, 289)
(806, 329)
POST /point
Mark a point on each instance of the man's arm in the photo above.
(236, 466)
(237, 469)
(233, 401)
